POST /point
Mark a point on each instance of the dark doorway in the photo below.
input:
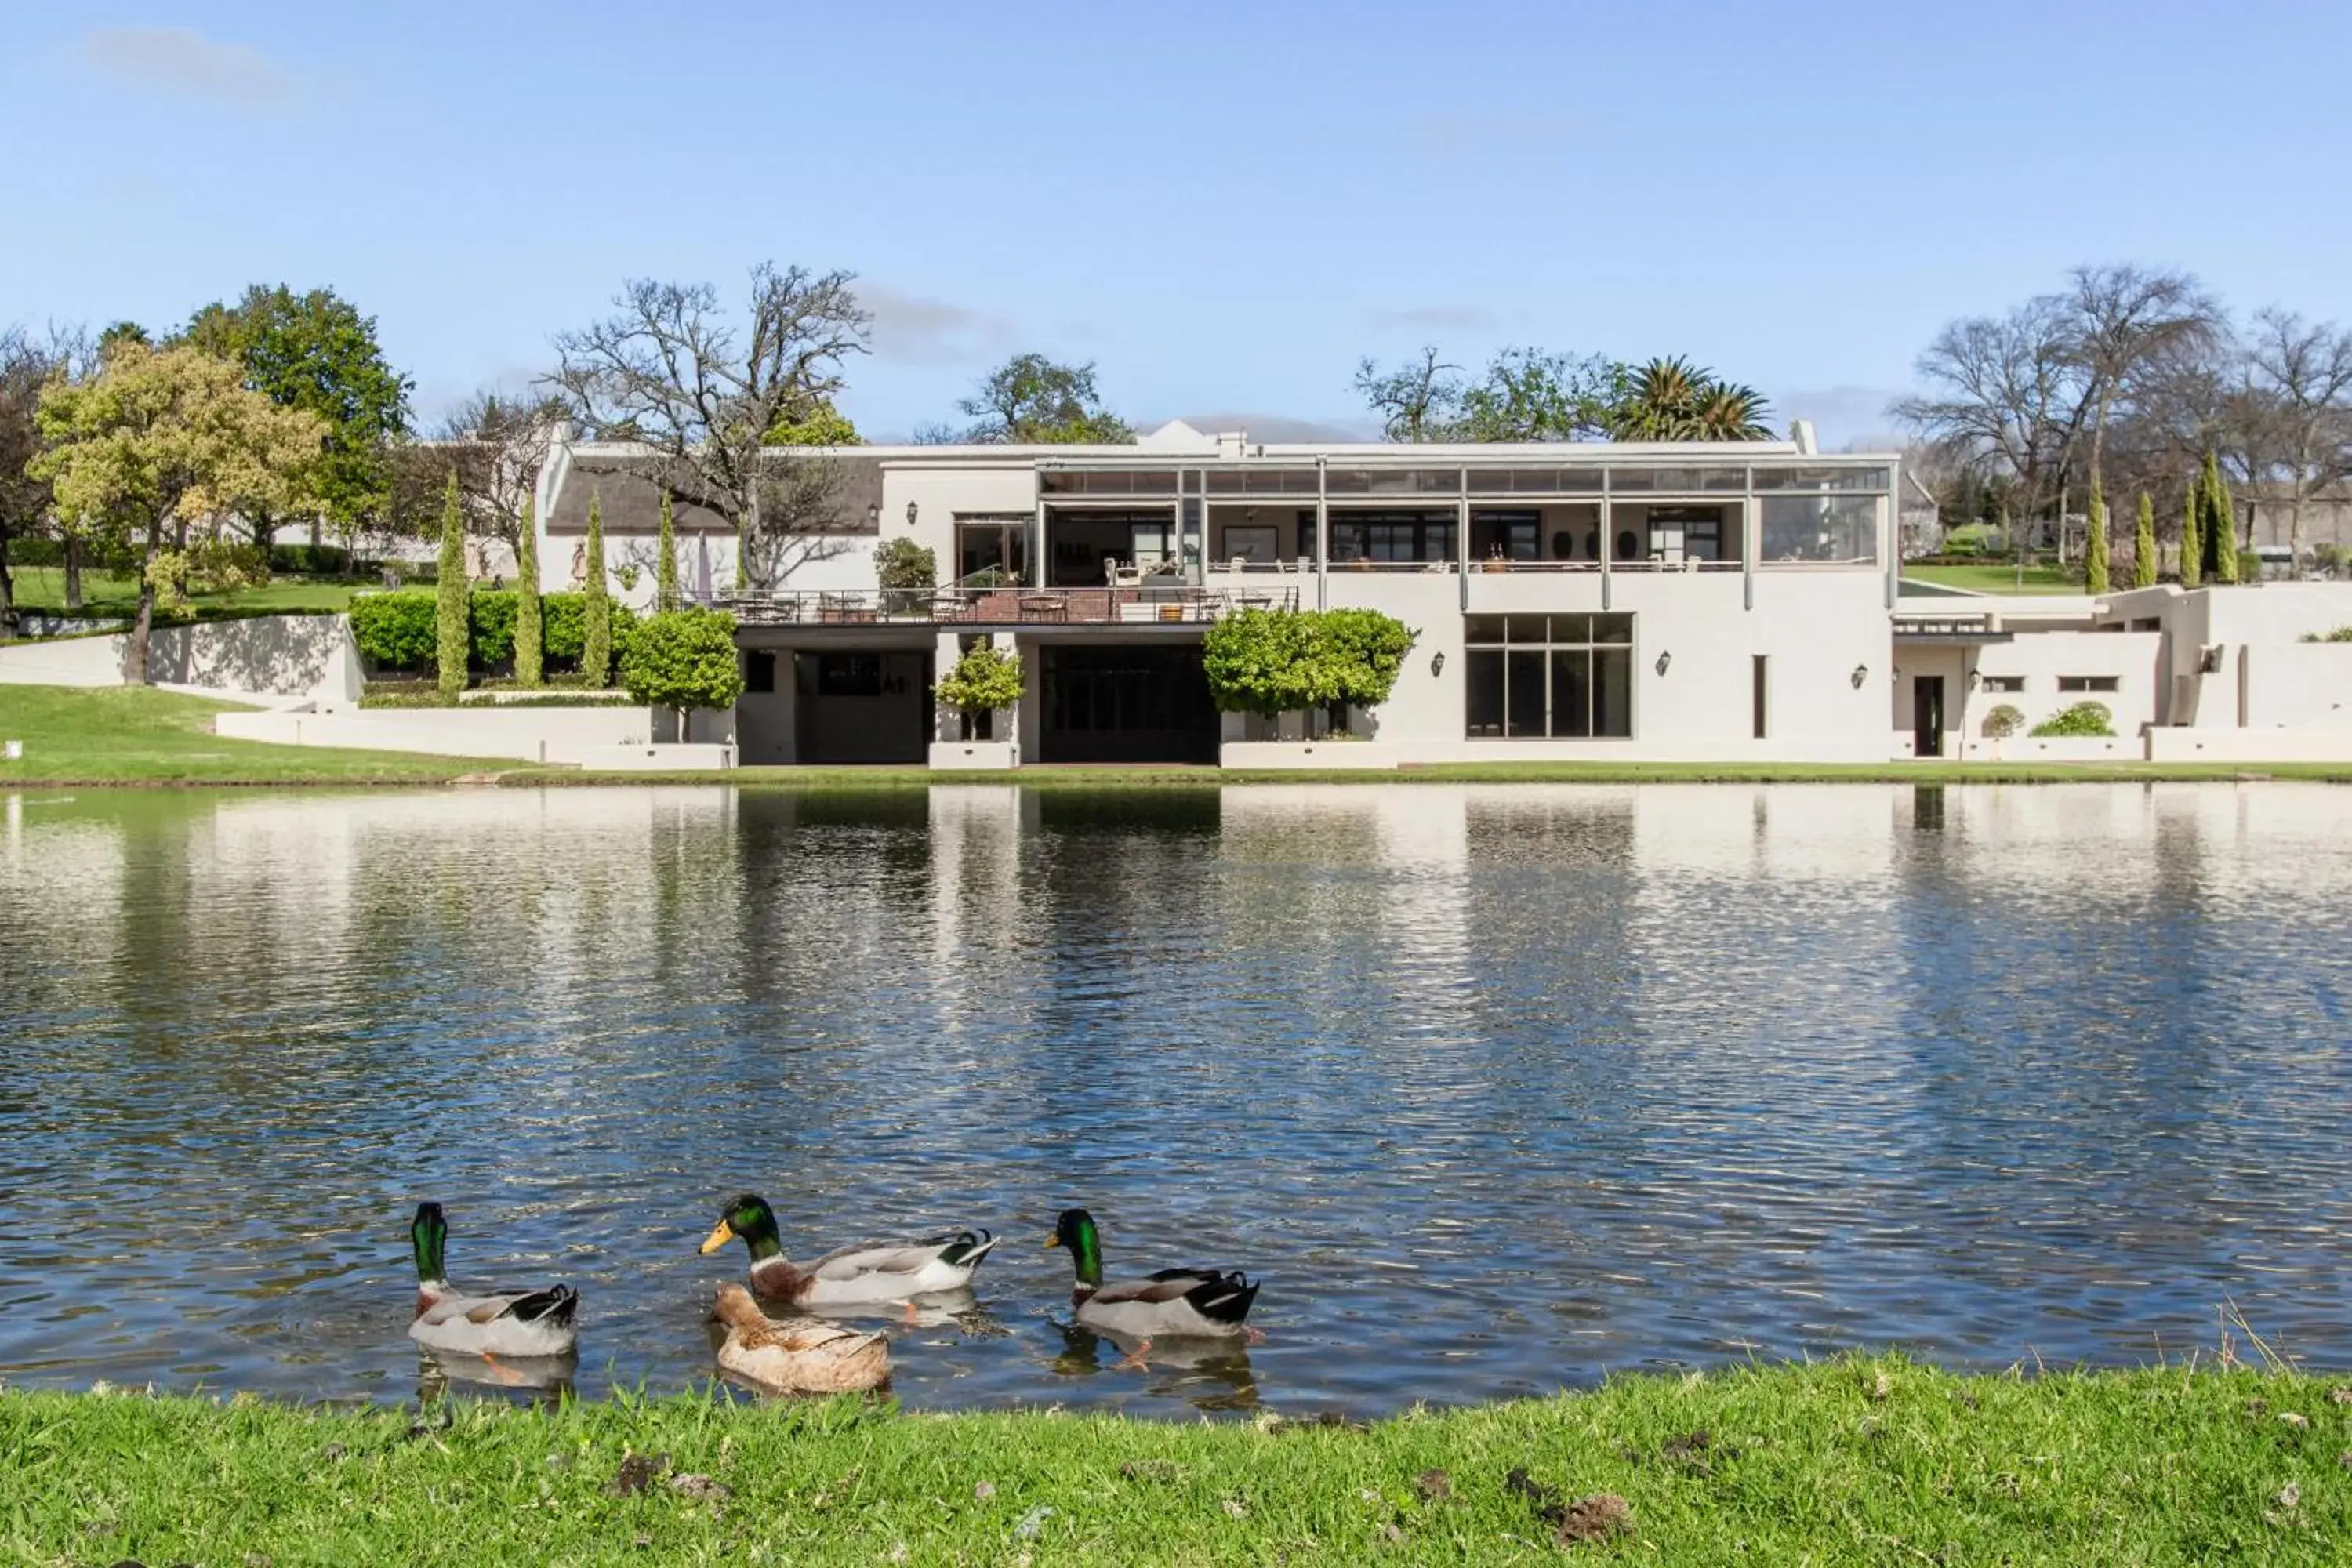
(1926, 715)
(863, 706)
(1132, 704)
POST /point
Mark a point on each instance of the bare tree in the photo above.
(2301, 380)
(2009, 402)
(497, 447)
(2121, 320)
(25, 366)
(1415, 400)
(702, 395)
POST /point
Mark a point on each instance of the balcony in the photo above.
(1003, 606)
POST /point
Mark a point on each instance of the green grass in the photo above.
(1878, 1461)
(1997, 578)
(106, 595)
(135, 734)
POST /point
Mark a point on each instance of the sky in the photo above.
(1224, 207)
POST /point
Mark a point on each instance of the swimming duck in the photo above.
(507, 1322)
(868, 1272)
(1175, 1303)
(797, 1355)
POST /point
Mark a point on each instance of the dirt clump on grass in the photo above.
(1596, 1518)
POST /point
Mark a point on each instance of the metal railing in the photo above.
(996, 606)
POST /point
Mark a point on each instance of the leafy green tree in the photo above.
(26, 365)
(2192, 548)
(596, 644)
(1365, 652)
(454, 640)
(2216, 527)
(531, 632)
(1674, 400)
(817, 424)
(316, 352)
(2095, 544)
(2143, 544)
(1030, 400)
(986, 679)
(682, 660)
(158, 447)
(903, 563)
(1271, 662)
(1527, 395)
(665, 559)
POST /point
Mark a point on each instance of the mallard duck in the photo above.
(509, 1322)
(1175, 1303)
(799, 1355)
(868, 1272)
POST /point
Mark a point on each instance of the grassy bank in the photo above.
(135, 734)
(2000, 577)
(1848, 1462)
(107, 595)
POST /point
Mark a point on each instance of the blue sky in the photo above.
(1225, 206)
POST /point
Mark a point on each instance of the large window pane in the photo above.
(1842, 528)
(1571, 693)
(1817, 478)
(1484, 628)
(1612, 629)
(1612, 692)
(1483, 682)
(1523, 677)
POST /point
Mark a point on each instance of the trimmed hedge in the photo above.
(396, 631)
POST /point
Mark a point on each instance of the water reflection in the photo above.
(1207, 1374)
(1499, 1088)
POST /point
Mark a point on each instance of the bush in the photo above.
(310, 560)
(2328, 558)
(2341, 634)
(2003, 721)
(395, 630)
(984, 679)
(903, 563)
(490, 622)
(1269, 662)
(1969, 540)
(2082, 718)
(683, 659)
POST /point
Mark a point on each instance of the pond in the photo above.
(1498, 1089)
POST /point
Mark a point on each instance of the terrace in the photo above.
(1173, 603)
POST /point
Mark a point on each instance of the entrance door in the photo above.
(1125, 704)
(1926, 715)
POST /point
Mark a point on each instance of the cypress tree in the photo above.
(2220, 528)
(2192, 549)
(666, 563)
(529, 654)
(2143, 544)
(597, 651)
(452, 610)
(2095, 545)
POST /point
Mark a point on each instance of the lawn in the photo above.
(1851, 1461)
(1999, 578)
(136, 734)
(106, 595)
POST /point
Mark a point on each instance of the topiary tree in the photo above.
(2143, 544)
(682, 660)
(2192, 549)
(2217, 527)
(1263, 662)
(596, 638)
(453, 618)
(2003, 721)
(986, 679)
(2094, 544)
(666, 560)
(531, 630)
(1365, 650)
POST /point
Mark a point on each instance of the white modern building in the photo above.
(1733, 603)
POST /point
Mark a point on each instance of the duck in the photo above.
(797, 1355)
(539, 1322)
(866, 1273)
(1175, 1303)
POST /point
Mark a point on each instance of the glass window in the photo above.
(2089, 683)
(1821, 479)
(1506, 535)
(2004, 683)
(1578, 686)
(1833, 529)
(1393, 536)
(1676, 481)
(759, 669)
(1107, 482)
(1393, 482)
(1535, 481)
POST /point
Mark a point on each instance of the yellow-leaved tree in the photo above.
(159, 450)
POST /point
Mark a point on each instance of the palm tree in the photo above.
(1674, 400)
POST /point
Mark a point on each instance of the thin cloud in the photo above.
(182, 62)
(914, 329)
(1437, 318)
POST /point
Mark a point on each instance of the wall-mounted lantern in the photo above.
(1664, 659)
(1437, 662)
(874, 514)
(1861, 674)
(912, 510)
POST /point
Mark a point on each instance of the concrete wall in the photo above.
(280, 656)
(561, 735)
(2298, 685)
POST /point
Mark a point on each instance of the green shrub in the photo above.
(310, 560)
(2082, 718)
(395, 630)
(2003, 721)
(490, 616)
(2341, 634)
(903, 563)
(2328, 558)
(1270, 662)
(985, 679)
(682, 660)
(1971, 539)
(1366, 651)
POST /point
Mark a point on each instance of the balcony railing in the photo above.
(1174, 605)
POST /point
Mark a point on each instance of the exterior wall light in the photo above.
(1861, 674)
(1437, 662)
(874, 514)
(912, 510)
(1664, 659)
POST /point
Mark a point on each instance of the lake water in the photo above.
(1499, 1088)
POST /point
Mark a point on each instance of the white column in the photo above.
(1322, 533)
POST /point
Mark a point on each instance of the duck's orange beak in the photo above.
(720, 1235)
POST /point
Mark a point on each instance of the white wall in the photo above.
(2134, 658)
(282, 656)
(526, 734)
(2298, 685)
(65, 661)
